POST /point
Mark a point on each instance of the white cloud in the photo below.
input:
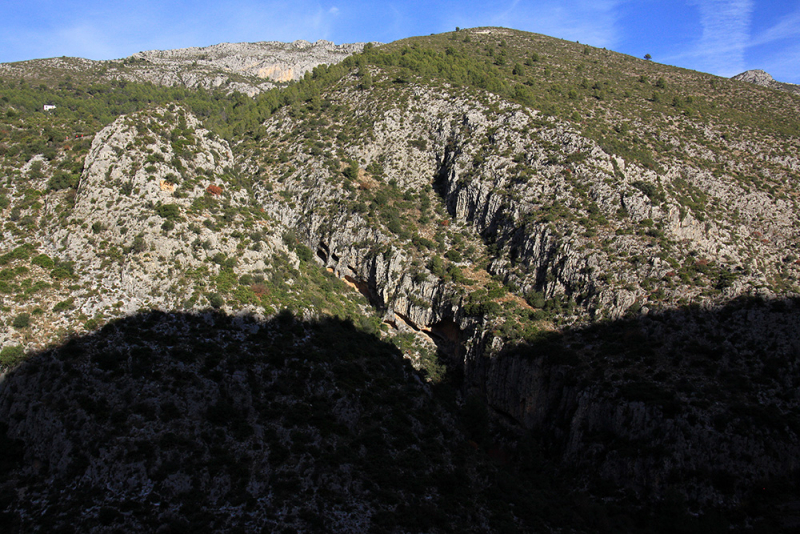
(334, 11)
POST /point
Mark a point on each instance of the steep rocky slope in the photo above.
(603, 249)
(275, 61)
(159, 220)
(570, 227)
(560, 213)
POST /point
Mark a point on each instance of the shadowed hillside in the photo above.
(209, 422)
(198, 421)
(702, 402)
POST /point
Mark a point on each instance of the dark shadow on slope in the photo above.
(693, 405)
(208, 422)
(220, 423)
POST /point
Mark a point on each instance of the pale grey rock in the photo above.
(764, 79)
(756, 76)
(245, 67)
(249, 68)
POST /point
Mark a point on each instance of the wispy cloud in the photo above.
(724, 40)
(787, 28)
(509, 10)
(95, 30)
(783, 65)
(776, 49)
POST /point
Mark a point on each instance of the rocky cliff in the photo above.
(215, 66)
(500, 175)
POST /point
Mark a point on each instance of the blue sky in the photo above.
(723, 37)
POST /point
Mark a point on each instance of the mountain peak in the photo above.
(756, 76)
(764, 79)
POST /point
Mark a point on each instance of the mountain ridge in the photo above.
(249, 68)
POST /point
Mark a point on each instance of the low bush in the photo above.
(11, 355)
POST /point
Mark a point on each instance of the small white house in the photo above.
(48, 107)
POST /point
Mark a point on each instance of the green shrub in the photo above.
(351, 171)
(216, 300)
(453, 255)
(60, 273)
(44, 261)
(22, 252)
(171, 212)
(23, 320)
(304, 253)
(64, 305)
(651, 191)
(536, 299)
(62, 180)
(419, 144)
(11, 356)
(495, 290)
(437, 267)
(139, 244)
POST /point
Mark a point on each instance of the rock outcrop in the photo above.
(560, 212)
(270, 63)
(764, 79)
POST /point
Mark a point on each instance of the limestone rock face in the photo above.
(567, 220)
(142, 177)
(280, 62)
(756, 76)
(263, 64)
(764, 79)
(245, 67)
